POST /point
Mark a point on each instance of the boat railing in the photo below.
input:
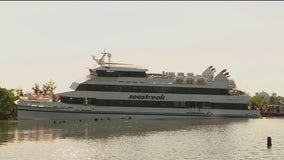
(39, 97)
(238, 92)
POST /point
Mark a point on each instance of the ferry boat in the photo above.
(121, 91)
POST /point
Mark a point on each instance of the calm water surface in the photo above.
(142, 139)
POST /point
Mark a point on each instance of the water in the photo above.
(142, 139)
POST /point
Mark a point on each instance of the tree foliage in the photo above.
(7, 101)
(47, 88)
(257, 100)
(273, 100)
(19, 92)
(36, 88)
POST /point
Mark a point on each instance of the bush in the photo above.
(8, 107)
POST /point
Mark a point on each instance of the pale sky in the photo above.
(42, 41)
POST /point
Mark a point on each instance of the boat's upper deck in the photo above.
(118, 72)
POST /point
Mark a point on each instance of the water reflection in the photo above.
(143, 139)
(7, 130)
(27, 130)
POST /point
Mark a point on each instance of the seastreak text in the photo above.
(147, 97)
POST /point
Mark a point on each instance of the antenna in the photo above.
(101, 61)
(109, 56)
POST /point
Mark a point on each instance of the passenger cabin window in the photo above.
(105, 73)
(151, 89)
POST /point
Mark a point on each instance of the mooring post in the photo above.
(269, 143)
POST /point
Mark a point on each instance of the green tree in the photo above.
(272, 100)
(19, 92)
(257, 100)
(49, 87)
(36, 88)
(7, 102)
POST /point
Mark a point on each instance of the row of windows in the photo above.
(167, 104)
(152, 89)
(120, 74)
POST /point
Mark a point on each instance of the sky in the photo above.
(43, 41)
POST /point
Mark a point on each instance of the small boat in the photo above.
(273, 111)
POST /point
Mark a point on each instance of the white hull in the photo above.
(103, 112)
